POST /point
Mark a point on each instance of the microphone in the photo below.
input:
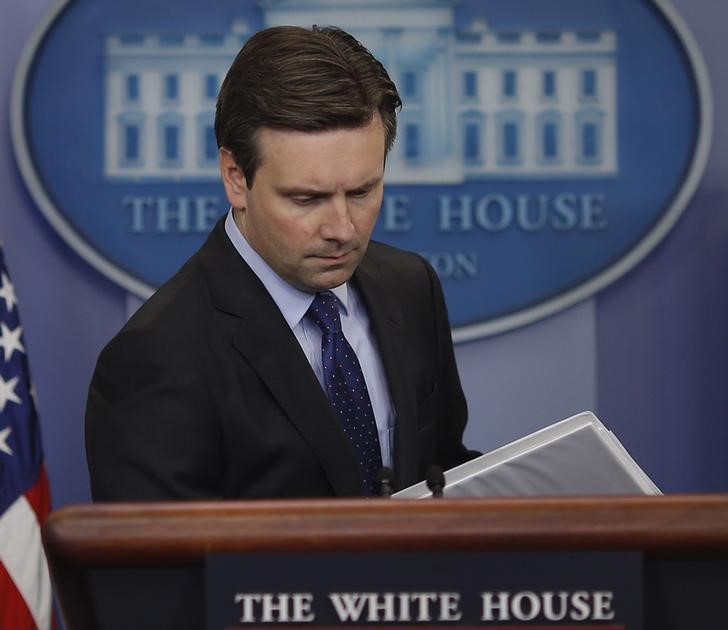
(385, 478)
(435, 480)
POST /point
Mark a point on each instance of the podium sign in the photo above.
(575, 590)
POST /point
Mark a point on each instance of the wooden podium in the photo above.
(95, 552)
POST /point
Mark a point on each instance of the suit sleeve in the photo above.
(150, 424)
(452, 412)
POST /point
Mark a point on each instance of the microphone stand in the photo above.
(435, 481)
(385, 479)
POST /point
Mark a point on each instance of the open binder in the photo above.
(576, 456)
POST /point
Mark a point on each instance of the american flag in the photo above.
(25, 589)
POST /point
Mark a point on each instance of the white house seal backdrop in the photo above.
(537, 157)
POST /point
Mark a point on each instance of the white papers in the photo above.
(576, 456)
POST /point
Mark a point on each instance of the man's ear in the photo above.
(236, 187)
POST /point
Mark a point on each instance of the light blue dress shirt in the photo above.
(293, 304)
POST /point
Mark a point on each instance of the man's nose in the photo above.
(337, 223)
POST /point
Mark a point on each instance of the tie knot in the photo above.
(324, 312)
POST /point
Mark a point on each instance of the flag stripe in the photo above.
(21, 552)
(15, 613)
(39, 496)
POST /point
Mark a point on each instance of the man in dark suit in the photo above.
(217, 387)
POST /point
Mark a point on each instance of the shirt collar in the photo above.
(293, 303)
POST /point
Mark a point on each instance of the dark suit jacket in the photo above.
(205, 393)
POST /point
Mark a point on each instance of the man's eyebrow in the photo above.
(370, 183)
(312, 191)
(301, 191)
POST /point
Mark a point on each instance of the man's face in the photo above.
(314, 201)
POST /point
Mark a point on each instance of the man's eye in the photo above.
(303, 200)
(361, 193)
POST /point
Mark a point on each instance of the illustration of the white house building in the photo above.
(478, 103)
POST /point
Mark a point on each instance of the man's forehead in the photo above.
(272, 133)
(357, 150)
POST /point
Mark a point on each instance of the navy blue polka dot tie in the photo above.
(346, 390)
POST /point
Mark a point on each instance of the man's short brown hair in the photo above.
(288, 77)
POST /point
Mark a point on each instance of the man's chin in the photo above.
(329, 279)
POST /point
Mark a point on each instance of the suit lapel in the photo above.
(388, 323)
(265, 340)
